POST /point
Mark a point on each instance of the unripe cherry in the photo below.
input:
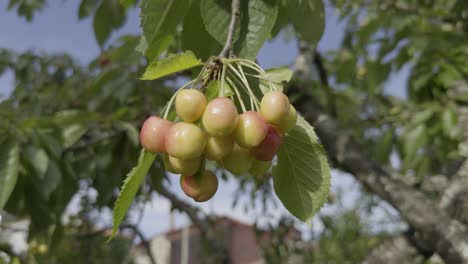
(220, 117)
(269, 146)
(289, 121)
(239, 161)
(217, 148)
(201, 187)
(274, 107)
(153, 133)
(260, 168)
(190, 105)
(251, 129)
(185, 141)
(167, 165)
(185, 167)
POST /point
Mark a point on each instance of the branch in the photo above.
(205, 224)
(394, 250)
(235, 13)
(449, 238)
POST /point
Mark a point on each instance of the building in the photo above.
(186, 246)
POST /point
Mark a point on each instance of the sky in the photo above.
(57, 29)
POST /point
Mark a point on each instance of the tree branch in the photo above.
(448, 237)
(235, 13)
(206, 225)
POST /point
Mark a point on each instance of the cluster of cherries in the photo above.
(240, 143)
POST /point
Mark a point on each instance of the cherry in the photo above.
(185, 167)
(269, 146)
(167, 165)
(201, 187)
(185, 141)
(153, 133)
(190, 104)
(220, 117)
(260, 168)
(239, 161)
(274, 107)
(218, 147)
(290, 120)
(251, 129)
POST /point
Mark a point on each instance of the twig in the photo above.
(235, 13)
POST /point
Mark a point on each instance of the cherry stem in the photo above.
(236, 91)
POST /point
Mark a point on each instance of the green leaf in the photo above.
(86, 7)
(277, 76)
(414, 138)
(308, 18)
(159, 20)
(110, 15)
(38, 159)
(49, 181)
(212, 91)
(130, 187)
(131, 131)
(256, 27)
(72, 133)
(127, 3)
(9, 167)
(216, 15)
(302, 176)
(450, 123)
(194, 31)
(171, 64)
(383, 147)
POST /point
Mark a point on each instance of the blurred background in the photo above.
(385, 89)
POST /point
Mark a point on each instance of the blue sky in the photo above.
(57, 29)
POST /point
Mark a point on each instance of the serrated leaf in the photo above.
(9, 167)
(302, 176)
(130, 187)
(171, 64)
(256, 26)
(308, 18)
(159, 19)
(216, 15)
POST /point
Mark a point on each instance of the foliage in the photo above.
(87, 140)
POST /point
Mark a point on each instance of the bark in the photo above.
(396, 250)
